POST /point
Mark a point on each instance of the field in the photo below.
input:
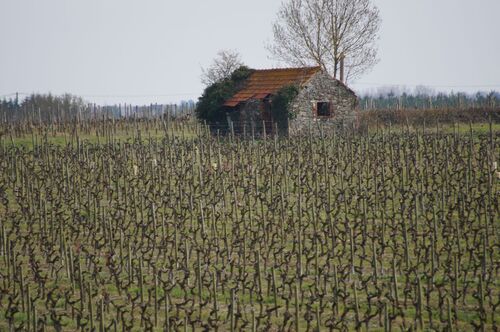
(161, 226)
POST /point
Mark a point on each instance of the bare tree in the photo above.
(222, 66)
(327, 32)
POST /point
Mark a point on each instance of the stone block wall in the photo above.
(323, 88)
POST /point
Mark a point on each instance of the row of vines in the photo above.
(387, 231)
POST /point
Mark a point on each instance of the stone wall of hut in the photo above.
(323, 88)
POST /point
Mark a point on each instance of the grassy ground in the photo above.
(118, 134)
(191, 130)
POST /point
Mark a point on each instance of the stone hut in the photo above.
(320, 99)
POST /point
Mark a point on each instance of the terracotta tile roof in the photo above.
(263, 83)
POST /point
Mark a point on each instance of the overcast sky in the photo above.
(151, 51)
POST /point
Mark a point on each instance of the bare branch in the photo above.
(222, 66)
(321, 32)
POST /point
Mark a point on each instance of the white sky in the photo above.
(151, 51)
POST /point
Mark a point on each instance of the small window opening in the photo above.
(323, 109)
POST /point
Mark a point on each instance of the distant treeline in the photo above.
(47, 108)
(427, 99)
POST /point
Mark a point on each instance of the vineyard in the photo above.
(176, 229)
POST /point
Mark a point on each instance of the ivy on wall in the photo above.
(210, 106)
(280, 106)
